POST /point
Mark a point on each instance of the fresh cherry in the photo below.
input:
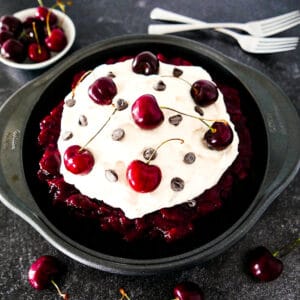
(263, 265)
(187, 290)
(42, 273)
(14, 50)
(142, 177)
(56, 40)
(42, 13)
(219, 136)
(145, 63)
(78, 160)
(146, 113)
(204, 92)
(12, 24)
(103, 90)
(38, 53)
(4, 36)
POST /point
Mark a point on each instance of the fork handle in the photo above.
(171, 28)
(165, 15)
(192, 24)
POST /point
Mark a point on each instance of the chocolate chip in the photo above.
(191, 203)
(199, 110)
(189, 158)
(83, 120)
(177, 72)
(159, 86)
(118, 134)
(149, 153)
(111, 175)
(177, 184)
(67, 135)
(111, 74)
(121, 104)
(70, 102)
(175, 120)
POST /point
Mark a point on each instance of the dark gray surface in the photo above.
(222, 277)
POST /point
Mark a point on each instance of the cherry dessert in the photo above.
(168, 224)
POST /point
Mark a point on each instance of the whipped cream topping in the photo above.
(116, 155)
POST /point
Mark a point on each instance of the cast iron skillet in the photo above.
(272, 120)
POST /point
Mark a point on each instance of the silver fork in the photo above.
(248, 43)
(260, 28)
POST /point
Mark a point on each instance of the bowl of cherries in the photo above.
(36, 37)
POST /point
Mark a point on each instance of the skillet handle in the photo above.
(14, 191)
(283, 131)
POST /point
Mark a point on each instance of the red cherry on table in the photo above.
(56, 40)
(219, 136)
(102, 91)
(142, 177)
(38, 53)
(146, 113)
(42, 273)
(188, 291)
(78, 160)
(263, 265)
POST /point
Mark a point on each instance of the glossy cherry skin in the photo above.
(188, 291)
(146, 113)
(42, 271)
(38, 53)
(220, 137)
(102, 91)
(142, 177)
(204, 92)
(42, 12)
(12, 24)
(14, 50)
(57, 40)
(145, 63)
(4, 36)
(78, 161)
(262, 265)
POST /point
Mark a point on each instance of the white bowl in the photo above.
(65, 23)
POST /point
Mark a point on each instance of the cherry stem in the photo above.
(36, 37)
(63, 295)
(79, 80)
(213, 130)
(164, 142)
(40, 2)
(100, 129)
(124, 295)
(48, 22)
(287, 248)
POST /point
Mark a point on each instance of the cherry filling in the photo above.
(168, 224)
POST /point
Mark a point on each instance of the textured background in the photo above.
(222, 277)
